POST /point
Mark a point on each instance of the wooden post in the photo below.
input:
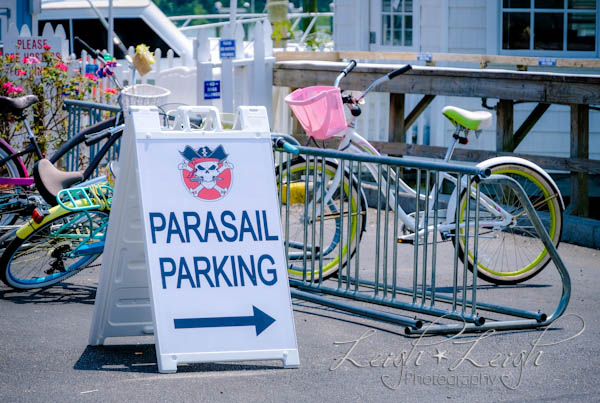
(396, 133)
(580, 143)
(418, 110)
(504, 125)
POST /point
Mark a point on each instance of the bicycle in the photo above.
(18, 198)
(502, 219)
(50, 248)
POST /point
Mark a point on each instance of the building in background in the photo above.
(19, 12)
(539, 28)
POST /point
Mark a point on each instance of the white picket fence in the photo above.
(244, 80)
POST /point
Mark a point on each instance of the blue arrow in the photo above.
(259, 319)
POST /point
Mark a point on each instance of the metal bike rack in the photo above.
(82, 114)
(356, 289)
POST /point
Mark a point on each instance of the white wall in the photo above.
(457, 26)
(351, 25)
(434, 33)
(467, 26)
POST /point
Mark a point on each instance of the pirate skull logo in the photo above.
(206, 173)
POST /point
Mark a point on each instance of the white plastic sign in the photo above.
(213, 241)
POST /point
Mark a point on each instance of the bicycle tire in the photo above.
(527, 256)
(9, 207)
(327, 247)
(51, 253)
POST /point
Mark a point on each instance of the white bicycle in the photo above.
(509, 250)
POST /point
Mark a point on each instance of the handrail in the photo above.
(246, 19)
(249, 15)
(435, 166)
(91, 105)
(432, 58)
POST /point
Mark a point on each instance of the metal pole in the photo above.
(232, 14)
(111, 28)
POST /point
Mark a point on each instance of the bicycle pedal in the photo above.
(406, 241)
(446, 236)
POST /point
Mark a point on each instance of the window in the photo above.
(397, 23)
(549, 26)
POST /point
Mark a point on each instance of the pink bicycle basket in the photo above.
(319, 110)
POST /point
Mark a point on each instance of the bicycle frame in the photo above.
(32, 147)
(354, 143)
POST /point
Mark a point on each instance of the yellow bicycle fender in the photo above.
(55, 212)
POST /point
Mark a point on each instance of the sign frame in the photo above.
(266, 328)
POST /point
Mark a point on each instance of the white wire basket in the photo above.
(143, 94)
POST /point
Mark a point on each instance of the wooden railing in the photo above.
(430, 59)
(577, 91)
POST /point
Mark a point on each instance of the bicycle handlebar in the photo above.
(349, 67)
(399, 71)
(100, 57)
(89, 48)
(94, 138)
(385, 78)
(281, 143)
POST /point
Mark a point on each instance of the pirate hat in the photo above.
(204, 153)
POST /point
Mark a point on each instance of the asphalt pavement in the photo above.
(44, 355)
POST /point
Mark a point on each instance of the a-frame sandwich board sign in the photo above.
(197, 213)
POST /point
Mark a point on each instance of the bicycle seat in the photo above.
(49, 180)
(16, 105)
(471, 120)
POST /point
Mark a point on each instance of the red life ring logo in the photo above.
(206, 173)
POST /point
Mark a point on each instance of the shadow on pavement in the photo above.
(321, 311)
(489, 287)
(142, 358)
(64, 293)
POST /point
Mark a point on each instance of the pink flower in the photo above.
(91, 77)
(7, 85)
(111, 91)
(62, 67)
(20, 72)
(31, 60)
(47, 47)
(15, 90)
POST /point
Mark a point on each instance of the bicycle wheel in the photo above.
(10, 203)
(512, 253)
(55, 251)
(307, 184)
